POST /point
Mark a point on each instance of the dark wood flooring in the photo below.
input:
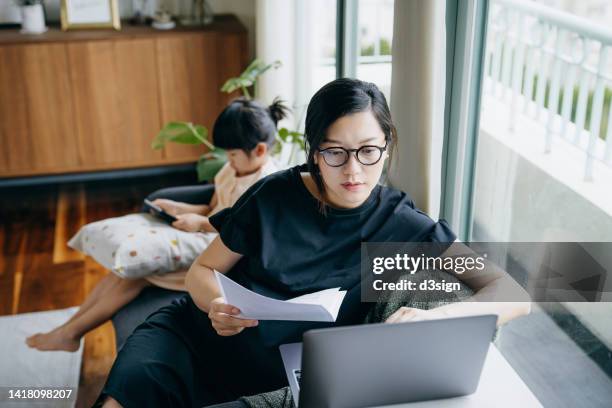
(39, 272)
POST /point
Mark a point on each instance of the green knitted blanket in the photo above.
(384, 308)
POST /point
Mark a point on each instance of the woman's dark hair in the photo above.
(339, 98)
(244, 123)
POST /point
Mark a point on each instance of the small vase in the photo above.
(33, 19)
(202, 12)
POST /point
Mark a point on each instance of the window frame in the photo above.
(466, 29)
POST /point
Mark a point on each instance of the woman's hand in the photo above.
(411, 314)
(190, 222)
(223, 321)
(177, 208)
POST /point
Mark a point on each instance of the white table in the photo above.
(500, 386)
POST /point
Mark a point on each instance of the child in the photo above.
(246, 130)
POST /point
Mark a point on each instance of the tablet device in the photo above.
(158, 212)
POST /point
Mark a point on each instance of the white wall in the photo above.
(244, 10)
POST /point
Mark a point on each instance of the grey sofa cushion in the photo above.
(131, 315)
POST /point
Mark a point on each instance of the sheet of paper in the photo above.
(330, 299)
(320, 306)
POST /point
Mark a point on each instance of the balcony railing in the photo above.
(555, 68)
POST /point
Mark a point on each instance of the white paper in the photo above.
(322, 306)
(89, 11)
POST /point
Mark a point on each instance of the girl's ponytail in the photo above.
(278, 110)
(244, 123)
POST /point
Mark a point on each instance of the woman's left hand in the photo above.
(412, 314)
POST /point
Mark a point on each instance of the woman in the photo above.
(294, 232)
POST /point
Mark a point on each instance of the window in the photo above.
(317, 27)
(543, 170)
(375, 31)
(367, 41)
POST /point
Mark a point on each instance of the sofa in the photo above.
(153, 298)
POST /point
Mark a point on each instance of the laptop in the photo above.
(381, 364)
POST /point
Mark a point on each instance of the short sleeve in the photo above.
(439, 232)
(427, 230)
(435, 237)
(419, 227)
(239, 226)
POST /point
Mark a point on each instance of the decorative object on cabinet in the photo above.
(10, 14)
(139, 8)
(88, 14)
(32, 16)
(201, 13)
(163, 19)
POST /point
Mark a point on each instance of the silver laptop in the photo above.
(380, 364)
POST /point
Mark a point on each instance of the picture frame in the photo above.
(89, 14)
(10, 15)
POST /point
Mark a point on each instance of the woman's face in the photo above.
(349, 185)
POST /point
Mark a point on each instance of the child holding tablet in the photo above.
(246, 130)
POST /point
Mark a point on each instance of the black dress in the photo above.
(175, 358)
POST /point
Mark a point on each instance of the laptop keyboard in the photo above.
(297, 374)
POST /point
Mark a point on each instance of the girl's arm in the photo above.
(193, 223)
(205, 209)
(212, 204)
(202, 286)
(197, 219)
(177, 208)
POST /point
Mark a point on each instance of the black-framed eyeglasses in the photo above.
(366, 155)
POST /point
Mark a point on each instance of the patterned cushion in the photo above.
(139, 245)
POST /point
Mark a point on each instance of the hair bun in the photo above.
(278, 110)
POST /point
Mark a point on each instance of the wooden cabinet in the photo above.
(116, 102)
(35, 136)
(193, 75)
(94, 100)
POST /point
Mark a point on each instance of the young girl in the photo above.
(246, 130)
(295, 232)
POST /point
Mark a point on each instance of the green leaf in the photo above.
(248, 76)
(230, 85)
(180, 132)
(210, 163)
(202, 131)
(277, 148)
(283, 133)
(291, 137)
(257, 68)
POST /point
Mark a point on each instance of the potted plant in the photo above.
(212, 161)
(32, 16)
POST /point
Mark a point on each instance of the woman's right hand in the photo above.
(222, 318)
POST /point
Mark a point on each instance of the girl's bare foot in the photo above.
(57, 339)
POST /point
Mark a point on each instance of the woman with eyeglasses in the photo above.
(294, 232)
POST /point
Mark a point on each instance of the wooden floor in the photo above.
(39, 272)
